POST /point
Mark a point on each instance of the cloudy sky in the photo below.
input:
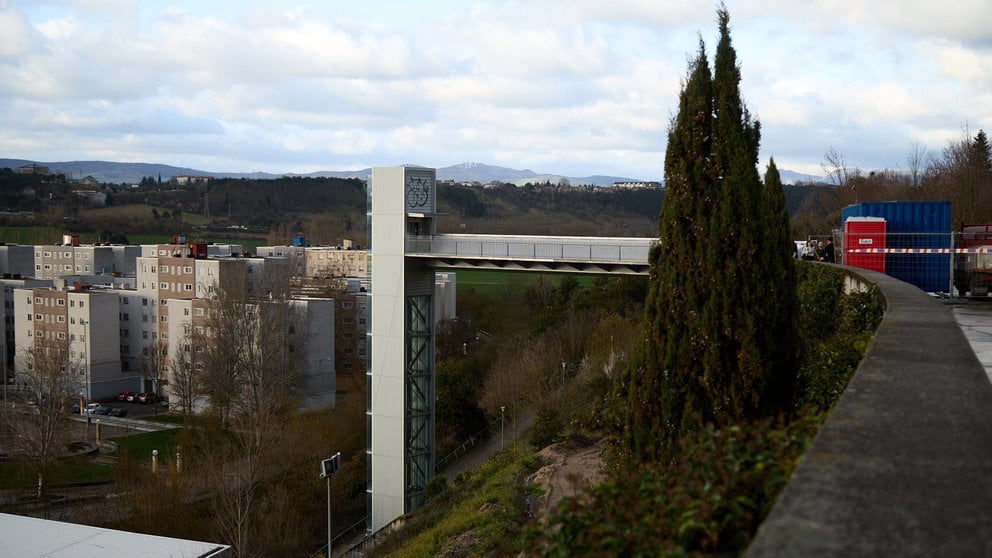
(572, 87)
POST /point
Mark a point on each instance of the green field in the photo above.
(492, 281)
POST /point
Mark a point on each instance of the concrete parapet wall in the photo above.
(903, 464)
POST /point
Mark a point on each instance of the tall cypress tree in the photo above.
(713, 324)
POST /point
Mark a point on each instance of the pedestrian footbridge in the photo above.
(571, 254)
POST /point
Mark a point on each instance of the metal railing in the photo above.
(935, 262)
(579, 249)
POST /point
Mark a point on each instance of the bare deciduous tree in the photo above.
(40, 431)
(184, 380)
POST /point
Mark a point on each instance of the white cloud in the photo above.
(547, 84)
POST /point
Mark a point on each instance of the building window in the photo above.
(165, 319)
(60, 319)
(163, 286)
(37, 300)
(60, 302)
(126, 317)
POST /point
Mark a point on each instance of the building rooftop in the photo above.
(27, 537)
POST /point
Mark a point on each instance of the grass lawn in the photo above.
(31, 235)
(141, 445)
(64, 472)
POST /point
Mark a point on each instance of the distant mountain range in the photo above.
(130, 173)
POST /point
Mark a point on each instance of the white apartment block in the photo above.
(7, 287)
(319, 382)
(54, 261)
(16, 260)
(88, 321)
(136, 315)
(295, 254)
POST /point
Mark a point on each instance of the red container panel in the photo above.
(864, 243)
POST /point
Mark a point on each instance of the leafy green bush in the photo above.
(436, 486)
(548, 427)
(836, 329)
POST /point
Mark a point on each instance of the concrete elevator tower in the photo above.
(401, 207)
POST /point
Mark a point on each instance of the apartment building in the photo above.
(295, 254)
(87, 322)
(16, 260)
(7, 287)
(140, 318)
(55, 261)
(331, 261)
(321, 261)
(351, 314)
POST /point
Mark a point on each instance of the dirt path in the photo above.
(569, 470)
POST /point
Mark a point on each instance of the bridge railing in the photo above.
(535, 248)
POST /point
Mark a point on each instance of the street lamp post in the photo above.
(502, 412)
(3, 355)
(97, 432)
(154, 462)
(327, 468)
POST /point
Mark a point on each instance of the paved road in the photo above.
(486, 448)
(975, 319)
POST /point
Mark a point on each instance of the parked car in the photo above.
(132, 397)
(146, 397)
(118, 412)
(101, 411)
(92, 408)
(75, 408)
(123, 396)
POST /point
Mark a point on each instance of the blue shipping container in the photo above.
(913, 225)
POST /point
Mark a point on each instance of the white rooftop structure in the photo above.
(30, 537)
